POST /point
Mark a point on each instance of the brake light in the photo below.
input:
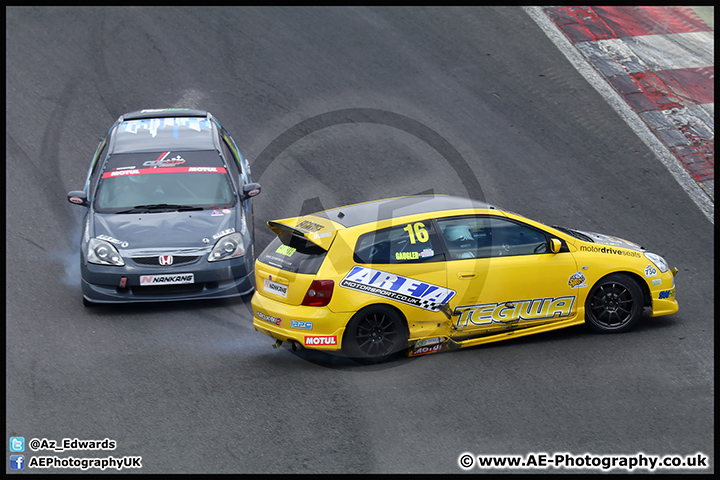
(319, 293)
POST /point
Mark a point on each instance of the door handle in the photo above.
(466, 275)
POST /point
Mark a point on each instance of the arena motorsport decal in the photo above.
(396, 287)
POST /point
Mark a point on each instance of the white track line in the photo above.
(617, 102)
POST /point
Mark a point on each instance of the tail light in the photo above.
(319, 293)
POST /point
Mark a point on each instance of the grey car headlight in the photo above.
(658, 261)
(229, 246)
(103, 253)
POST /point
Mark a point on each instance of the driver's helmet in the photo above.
(139, 179)
(457, 234)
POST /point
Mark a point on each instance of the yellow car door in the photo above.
(506, 276)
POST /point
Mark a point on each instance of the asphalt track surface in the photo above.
(389, 101)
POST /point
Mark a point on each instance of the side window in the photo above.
(411, 243)
(483, 237)
(230, 158)
(97, 166)
(99, 158)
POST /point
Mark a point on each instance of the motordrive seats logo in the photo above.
(610, 250)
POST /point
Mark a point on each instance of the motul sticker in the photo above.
(321, 340)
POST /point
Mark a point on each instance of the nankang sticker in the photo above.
(577, 280)
(650, 271)
(178, 279)
(276, 288)
(395, 287)
(521, 310)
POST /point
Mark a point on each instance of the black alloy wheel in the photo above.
(374, 334)
(614, 305)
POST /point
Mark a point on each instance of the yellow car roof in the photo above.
(320, 228)
(379, 210)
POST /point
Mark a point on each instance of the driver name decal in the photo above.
(396, 287)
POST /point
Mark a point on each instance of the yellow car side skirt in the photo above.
(437, 344)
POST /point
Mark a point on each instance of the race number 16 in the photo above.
(417, 231)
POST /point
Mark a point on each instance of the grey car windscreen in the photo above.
(164, 179)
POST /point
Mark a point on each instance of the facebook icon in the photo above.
(17, 462)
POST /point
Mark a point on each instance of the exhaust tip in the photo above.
(296, 346)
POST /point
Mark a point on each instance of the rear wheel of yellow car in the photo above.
(614, 305)
(375, 334)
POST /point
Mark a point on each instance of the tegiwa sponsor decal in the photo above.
(521, 310)
(396, 287)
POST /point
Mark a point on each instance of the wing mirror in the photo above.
(555, 245)
(78, 197)
(250, 190)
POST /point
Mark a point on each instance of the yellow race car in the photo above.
(429, 273)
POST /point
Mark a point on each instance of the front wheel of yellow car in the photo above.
(614, 304)
(374, 334)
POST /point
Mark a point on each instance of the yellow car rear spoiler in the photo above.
(318, 230)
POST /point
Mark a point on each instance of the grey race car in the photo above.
(169, 213)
